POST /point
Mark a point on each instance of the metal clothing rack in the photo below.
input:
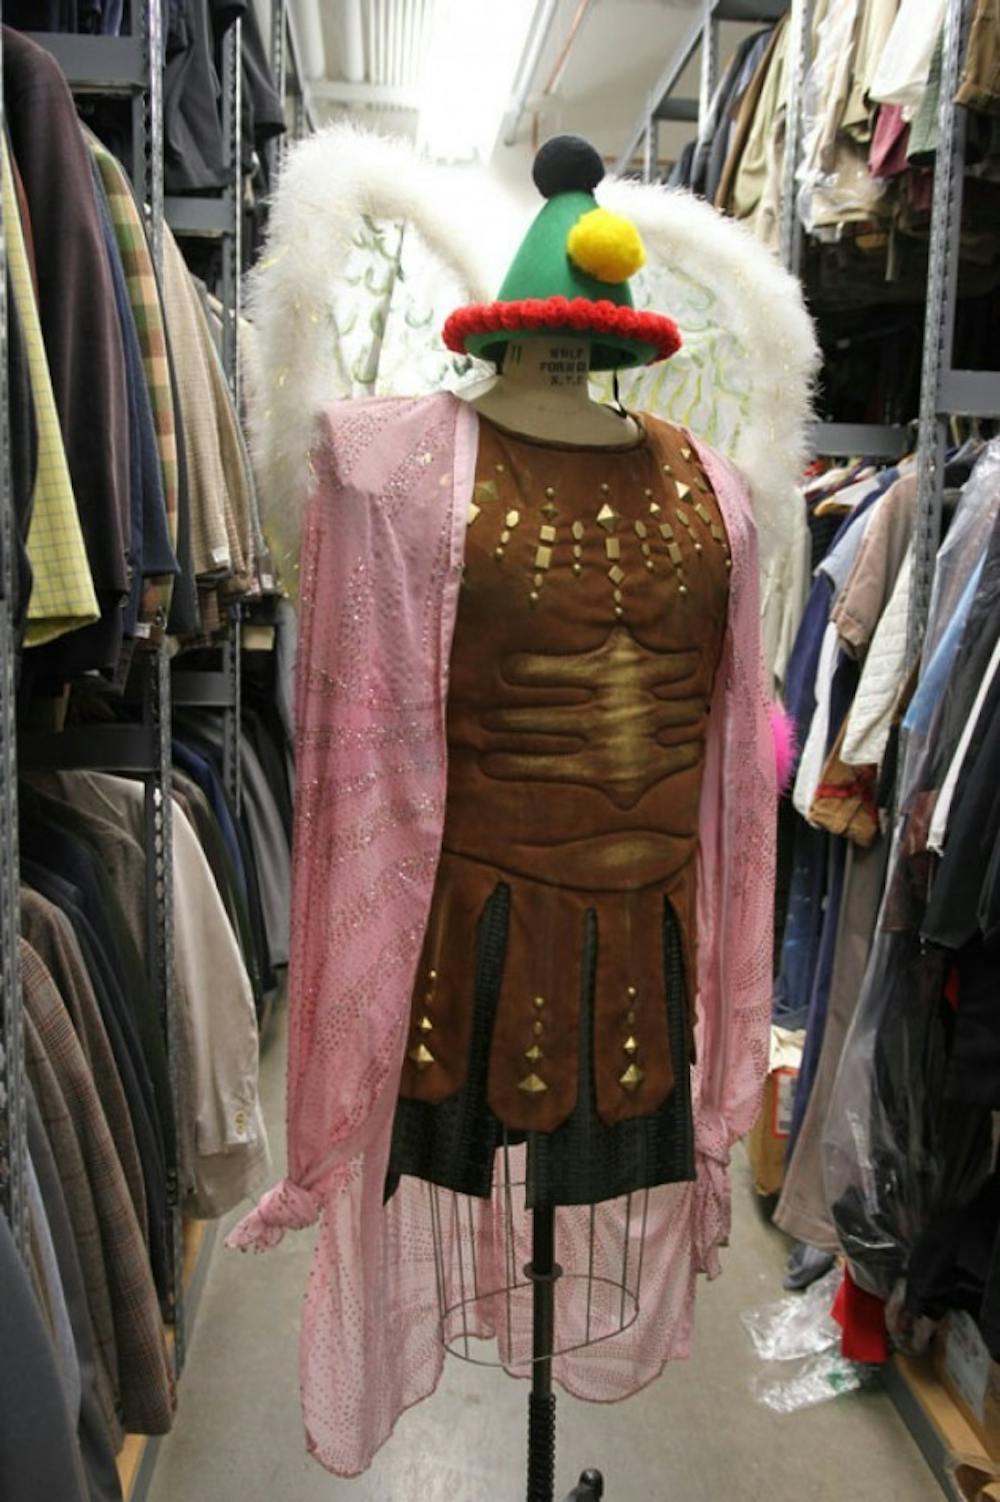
(12, 1101)
(129, 67)
(220, 217)
(289, 77)
(944, 390)
(133, 66)
(701, 38)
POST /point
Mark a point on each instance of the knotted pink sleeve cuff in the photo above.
(286, 1207)
(712, 1205)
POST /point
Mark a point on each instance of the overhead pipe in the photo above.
(560, 63)
(541, 25)
(352, 41)
(312, 51)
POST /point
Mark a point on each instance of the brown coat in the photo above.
(116, 1267)
(51, 936)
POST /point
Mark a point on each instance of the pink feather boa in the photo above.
(785, 748)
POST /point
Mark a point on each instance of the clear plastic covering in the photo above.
(896, 1151)
(835, 183)
(799, 1340)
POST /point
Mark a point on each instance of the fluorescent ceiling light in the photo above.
(472, 56)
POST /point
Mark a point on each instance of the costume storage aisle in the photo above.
(498, 702)
(696, 1432)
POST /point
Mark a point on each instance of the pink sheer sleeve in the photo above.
(379, 577)
(736, 882)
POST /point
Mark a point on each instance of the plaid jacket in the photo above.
(116, 1268)
(51, 936)
(147, 310)
(62, 590)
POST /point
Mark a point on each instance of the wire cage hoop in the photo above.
(485, 1282)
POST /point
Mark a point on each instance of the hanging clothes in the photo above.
(81, 331)
(61, 596)
(145, 302)
(38, 1455)
(913, 1124)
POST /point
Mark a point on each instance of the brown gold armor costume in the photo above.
(589, 629)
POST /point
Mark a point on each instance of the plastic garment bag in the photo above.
(897, 1151)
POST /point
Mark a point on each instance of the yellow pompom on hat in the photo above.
(606, 245)
(570, 275)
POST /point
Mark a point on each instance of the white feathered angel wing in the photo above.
(370, 248)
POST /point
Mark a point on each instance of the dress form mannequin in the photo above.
(432, 492)
(542, 392)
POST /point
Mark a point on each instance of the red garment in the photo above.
(890, 143)
(861, 1316)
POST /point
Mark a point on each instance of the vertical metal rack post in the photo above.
(944, 390)
(220, 217)
(702, 38)
(279, 57)
(156, 708)
(12, 1104)
(800, 24)
(232, 256)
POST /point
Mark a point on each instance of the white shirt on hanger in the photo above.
(901, 76)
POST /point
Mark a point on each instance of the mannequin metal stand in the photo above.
(544, 1271)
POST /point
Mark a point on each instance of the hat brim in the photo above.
(619, 337)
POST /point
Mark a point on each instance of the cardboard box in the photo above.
(971, 1378)
(768, 1140)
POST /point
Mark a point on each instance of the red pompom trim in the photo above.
(531, 314)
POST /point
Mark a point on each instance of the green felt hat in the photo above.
(570, 275)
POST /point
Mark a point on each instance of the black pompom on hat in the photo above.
(567, 164)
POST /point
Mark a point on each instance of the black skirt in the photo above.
(583, 1161)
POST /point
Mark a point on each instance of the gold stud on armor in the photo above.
(421, 1056)
(533, 1084)
(632, 1078)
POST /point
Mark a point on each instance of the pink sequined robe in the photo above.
(382, 554)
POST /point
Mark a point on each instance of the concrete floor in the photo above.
(696, 1435)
